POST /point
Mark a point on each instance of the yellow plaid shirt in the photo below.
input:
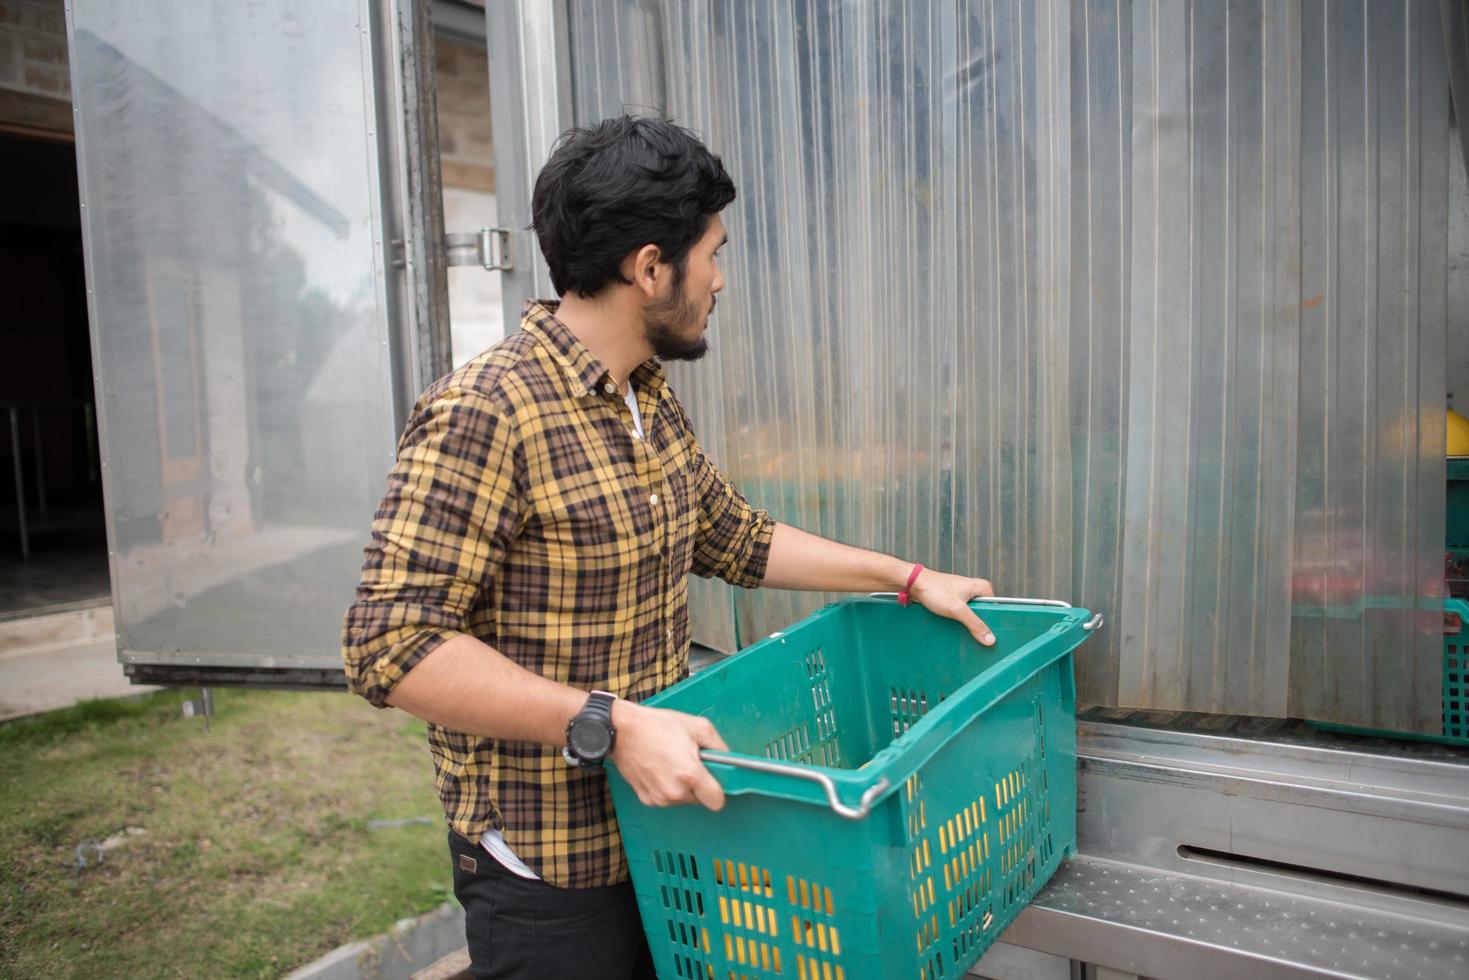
(525, 511)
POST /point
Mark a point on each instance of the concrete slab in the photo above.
(455, 966)
(412, 945)
(56, 629)
(49, 677)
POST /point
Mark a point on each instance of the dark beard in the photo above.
(665, 319)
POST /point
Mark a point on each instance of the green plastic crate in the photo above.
(1455, 686)
(1456, 673)
(953, 766)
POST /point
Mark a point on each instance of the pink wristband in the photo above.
(912, 577)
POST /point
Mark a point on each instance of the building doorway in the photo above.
(53, 541)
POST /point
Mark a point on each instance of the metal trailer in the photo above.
(1151, 306)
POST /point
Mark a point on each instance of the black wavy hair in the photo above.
(623, 183)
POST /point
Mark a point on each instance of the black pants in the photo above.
(520, 929)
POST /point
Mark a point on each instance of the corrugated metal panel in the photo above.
(1213, 327)
(1369, 469)
(878, 259)
(1101, 257)
(1136, 305)
(1276, 324)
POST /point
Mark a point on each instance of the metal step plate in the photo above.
(1167, 925)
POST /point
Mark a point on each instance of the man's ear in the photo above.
(645, 268)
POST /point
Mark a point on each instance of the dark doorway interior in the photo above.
(53, 542)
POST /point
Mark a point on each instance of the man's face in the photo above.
(674, 323)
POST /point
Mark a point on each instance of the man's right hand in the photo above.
(657, 752)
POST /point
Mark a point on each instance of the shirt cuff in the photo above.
(376, 661)
(749, 572)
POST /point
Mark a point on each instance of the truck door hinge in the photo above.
(488, 248)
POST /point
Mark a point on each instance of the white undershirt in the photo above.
(492, 840)
(637, 417)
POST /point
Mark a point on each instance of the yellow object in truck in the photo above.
(1458, 432)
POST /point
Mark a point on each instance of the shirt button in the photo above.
(610, 388)
(653, 499)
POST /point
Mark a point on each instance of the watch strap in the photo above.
(599, 706)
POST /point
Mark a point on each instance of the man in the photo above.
(525, 587)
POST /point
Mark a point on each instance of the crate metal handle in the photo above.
(1091, 624)
(784, 769)
(993, 598)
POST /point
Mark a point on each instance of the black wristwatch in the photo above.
(590, 735)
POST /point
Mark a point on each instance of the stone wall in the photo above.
(465, 145)
(33, 48)
(35, 80)
(467, 157)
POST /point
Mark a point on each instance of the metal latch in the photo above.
(488, 248)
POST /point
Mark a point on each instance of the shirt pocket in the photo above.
(602, 523)
(684, 528)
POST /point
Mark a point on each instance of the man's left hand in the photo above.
(948, 595)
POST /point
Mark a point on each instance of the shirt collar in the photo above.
(583, 371)
(650, 375)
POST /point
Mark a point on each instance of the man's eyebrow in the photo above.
(723, 241)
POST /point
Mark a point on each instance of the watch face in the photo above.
(589, 738)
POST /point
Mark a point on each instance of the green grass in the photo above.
(254, 855)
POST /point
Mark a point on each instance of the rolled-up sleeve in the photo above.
(442, 531)
(733, 539)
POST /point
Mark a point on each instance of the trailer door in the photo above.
(264, 258)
